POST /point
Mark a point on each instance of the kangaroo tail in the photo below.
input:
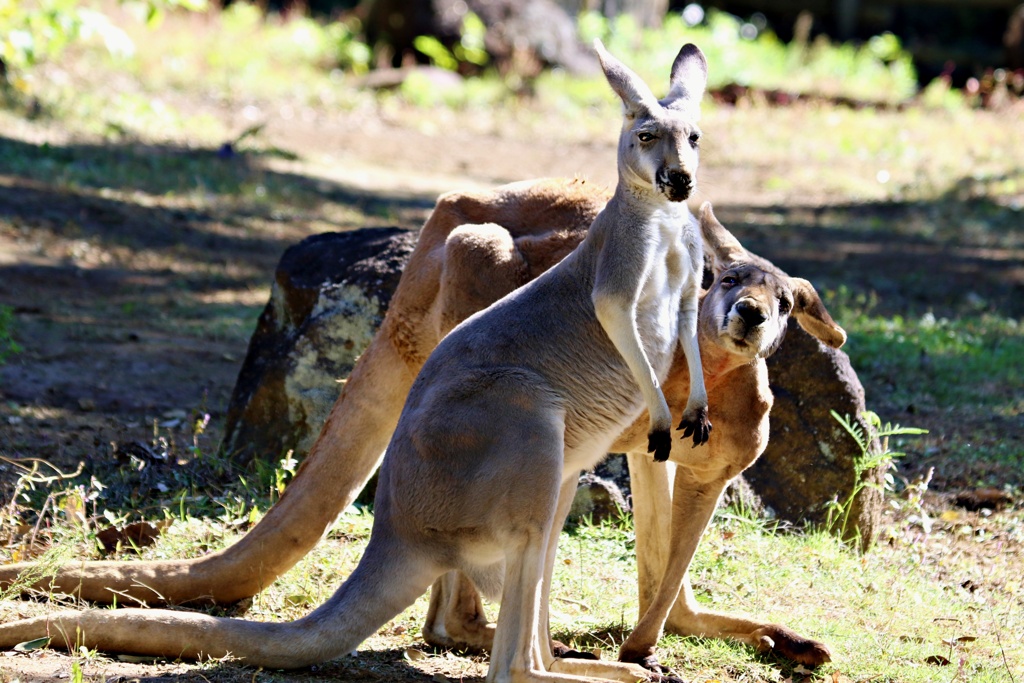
(338, 466)
(388, 579)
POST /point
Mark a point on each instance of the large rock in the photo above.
(331, 292)
(809, 459)
(329, 296)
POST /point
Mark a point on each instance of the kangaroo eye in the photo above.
(644, 136)
(729, 281)
(694, 139)
(784, 306)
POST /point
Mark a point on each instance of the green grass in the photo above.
(885, 615)
(8, 346)
(971, 360)
(959, 376)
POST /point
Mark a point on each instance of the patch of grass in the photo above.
(958, 376)
(884, 614)
(918, 608)
(929, 362)
(156, 171)
(7, 344)
(239, 54)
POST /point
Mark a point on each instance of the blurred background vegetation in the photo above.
(864, 50)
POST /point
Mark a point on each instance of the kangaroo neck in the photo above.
(718, 362)
(630, 209)
(641, 202)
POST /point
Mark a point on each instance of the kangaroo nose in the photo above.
(751, 315)
(680, 181)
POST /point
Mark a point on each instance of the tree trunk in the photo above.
(648, 13)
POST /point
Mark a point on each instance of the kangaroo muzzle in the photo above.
(675, 184)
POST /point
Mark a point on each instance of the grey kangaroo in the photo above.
(501, 419)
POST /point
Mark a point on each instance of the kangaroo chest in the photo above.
(658, 305)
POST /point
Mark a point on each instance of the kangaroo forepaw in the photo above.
(659, 442)
(696, 425)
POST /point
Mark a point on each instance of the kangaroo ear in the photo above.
(719, 243)
(633, 92)
(689, 75)
(810, 312)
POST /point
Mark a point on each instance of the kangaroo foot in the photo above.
(787, 643)
(649, 661)
(560, 649)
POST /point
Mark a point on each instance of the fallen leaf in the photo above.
(937, 660)
(802, 670)
(298, 599)
(29, 645)
(414, 655)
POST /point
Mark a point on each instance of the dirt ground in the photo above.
(134, 316)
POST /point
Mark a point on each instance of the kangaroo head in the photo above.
(747, 308)
(659, 141)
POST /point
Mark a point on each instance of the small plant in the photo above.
(7, 344)
(76, 672)
(872, 457)
(283, 474)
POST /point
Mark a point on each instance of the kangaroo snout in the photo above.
(752, 315)
(676, 184)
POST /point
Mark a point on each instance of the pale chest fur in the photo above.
(670, 278)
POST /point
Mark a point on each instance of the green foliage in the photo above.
(738, 53)
(351, 53)
(32, 31)
(470, 48)
(875, 454)
(7, 344)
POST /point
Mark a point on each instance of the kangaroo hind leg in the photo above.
(456, 617)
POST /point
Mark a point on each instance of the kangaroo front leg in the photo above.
(615, 305)
(618, 318)
(695, 422)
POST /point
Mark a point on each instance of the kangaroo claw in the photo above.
(660, 443)
(697, 426)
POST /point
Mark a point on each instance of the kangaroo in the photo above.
(743, 320)
(501, 421)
